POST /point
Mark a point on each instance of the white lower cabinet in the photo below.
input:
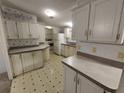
(72, 51)
(38, 59)
(67, 51)
(86, 86)
(70, 80)
(27, 61)
(62, 50)
(76, 83)
(16, 64)
(46, 54)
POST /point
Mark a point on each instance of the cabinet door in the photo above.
(11, 30)
(70, 80)
(46, 54)
(81, 21)
(66, 51)
(62, 50)
(41, 31)
(23, 30)
(71, 51)
(104, 20)
(27, 61)
(34, 31)
(86, 86)
(17, 64)
(38, 59)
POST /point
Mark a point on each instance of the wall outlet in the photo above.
(121, 55)
(93, 50)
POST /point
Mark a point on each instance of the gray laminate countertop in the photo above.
(104, 74)
(68, 44)
(28, 49)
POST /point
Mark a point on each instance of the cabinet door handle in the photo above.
(118, 37)
(75, 78)
(90, 32)
(86, 32)
(78, 81)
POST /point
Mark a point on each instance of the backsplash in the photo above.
(22, 42)
(113, 52)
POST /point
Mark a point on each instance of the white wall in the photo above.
(4, 58)
(103, 50)
(2, 62)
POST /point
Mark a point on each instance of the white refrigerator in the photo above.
(58, 39)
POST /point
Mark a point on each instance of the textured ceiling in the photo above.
(62, 7)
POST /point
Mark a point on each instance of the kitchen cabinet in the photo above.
(70, 80)
(62, 50)
(27, 61)
(68, 50)
(34, 30)
(11, 28)
(99, 21)
(86, 86)
(23, 30)
(46, 54)
(41, 31)
(16, 64)
(81, 21)
(104, 20)
(38, 59)
(77, 83)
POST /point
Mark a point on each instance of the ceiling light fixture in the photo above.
(50, 13)
(49, 27)
(69, 24)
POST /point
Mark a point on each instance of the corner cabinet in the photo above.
(34, 30)
(76, 83)
(16, 64)
(102, 24)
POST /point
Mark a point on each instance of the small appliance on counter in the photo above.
(21, 43)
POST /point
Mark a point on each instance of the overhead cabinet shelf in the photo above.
(99, 21)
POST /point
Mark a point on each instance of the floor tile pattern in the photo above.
(48, 79)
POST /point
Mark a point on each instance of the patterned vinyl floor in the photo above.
(48, 79)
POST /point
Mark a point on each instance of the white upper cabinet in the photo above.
(23, 30)
(41, 31)
(100, 21)
(11, 28)
(81, 21)
(104, 20)
(34, 30)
